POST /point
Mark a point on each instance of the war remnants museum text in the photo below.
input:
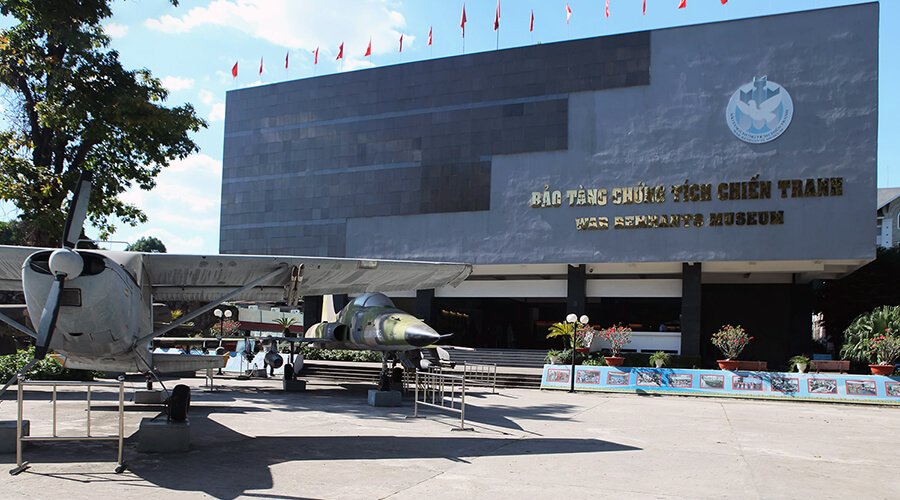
(686, 192)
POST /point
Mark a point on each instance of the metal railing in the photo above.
(20, 439)
(481, 374)
(446, 392)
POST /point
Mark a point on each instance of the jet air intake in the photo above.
(332, 331)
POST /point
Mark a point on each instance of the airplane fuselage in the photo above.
(103, 313)
(372, 322)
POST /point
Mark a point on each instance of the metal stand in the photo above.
(20, 439)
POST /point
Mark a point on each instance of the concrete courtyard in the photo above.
(251, 440)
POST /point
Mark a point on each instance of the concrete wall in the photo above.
(622, 129)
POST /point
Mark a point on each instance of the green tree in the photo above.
(147, 244)
(76, 108)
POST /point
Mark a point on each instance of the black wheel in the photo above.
(289, 372)
(178, 404)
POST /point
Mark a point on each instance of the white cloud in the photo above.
(288, 23)
(217, 113)
(207, 97)
(184, 206)
(116, 30)
(176, 83)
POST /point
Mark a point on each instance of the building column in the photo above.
(690, 308)
(576, 290)
(312, 310)
(425, 305)
(340, 302)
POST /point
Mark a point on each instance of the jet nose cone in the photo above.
(420, 335)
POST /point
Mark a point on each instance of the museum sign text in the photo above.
(686, 192)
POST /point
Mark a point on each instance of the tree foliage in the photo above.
(864, 329)
(872, 286)
(75, 107)
(147, 244)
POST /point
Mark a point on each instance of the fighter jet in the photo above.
(372, 322)
(95, 307)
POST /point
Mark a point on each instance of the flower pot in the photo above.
(583, 350)
(728, 364)
(881, 369)
(658, 363)
(614, 360)
(801, 367)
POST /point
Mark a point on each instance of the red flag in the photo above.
(531, 28)
(462, 23)
(568, 13)
(429, 36)
(288, 53)
(260, 65)
(607, 8)
(682, 4)
(369, 48)
(401, 43)
(724, 2)
(497, 17)
(645, 7)
(340, 52)
(316, 52)
(234, 71)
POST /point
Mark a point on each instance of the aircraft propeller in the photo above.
(64, 263)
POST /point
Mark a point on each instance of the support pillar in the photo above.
(312, 310)
(340, 301)
(425, 305)
(690, 308)
(576, 290)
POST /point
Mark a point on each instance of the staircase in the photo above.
(519, 358)
(368, 373)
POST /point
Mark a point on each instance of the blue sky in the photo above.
(193, 47)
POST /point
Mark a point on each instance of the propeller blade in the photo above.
(77, 210)
(48, 318)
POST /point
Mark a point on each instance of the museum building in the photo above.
(674, 180)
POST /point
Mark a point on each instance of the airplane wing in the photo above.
(11, 260)
(206, 278)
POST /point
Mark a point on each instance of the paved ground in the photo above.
(249, 440)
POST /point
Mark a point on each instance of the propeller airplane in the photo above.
(95, 306)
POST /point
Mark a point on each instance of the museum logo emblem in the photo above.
(759, 111)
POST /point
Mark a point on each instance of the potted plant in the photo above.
(562, 329)
(800, 363)
(731, 340)
(885, 350)
(617, 336)
(660, 359)
(872, 337)
(553, 357)
(584, 336)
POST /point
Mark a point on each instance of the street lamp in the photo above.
(221, 314)
(574, 320)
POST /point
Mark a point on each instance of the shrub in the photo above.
(46, 369)
(731, 340)
(865, 328)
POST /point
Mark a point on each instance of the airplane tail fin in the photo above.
(328, 314)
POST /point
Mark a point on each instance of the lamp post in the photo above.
(574, 320)
(221, 314)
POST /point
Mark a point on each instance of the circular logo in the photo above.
(759, 111)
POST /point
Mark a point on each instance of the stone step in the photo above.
(369, 373)
(520, 358)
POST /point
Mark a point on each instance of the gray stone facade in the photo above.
(441, 159)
